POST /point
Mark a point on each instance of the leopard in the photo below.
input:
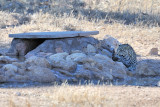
(125, 54)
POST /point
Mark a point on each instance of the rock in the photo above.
(59, 50)
(109, 43)
(91, 49)
(21, 78)
(59, 61)
(103, 76)
(63, 72)
(9, 74)
(21, 65)
(67, 45)
(20, 47)
(2, 78)
(76, 57)
(90, 74)
(38, 61)
(10, 67)
(101, 64)
(153, 51)
(76, 51)
(43, 54)
(148, 68)
(3, 51)
(41, 74)
(7, 59)
(82, 73)
(106, 52)
(58, 57)
(62, 76)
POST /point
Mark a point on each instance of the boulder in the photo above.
(21, 65)
(109, 43)
(90, 74)
(91, 49)
(10, 67)
(38, 61)
(40, 74)
(153, 51)
(101, 63)
(2, 78)
(59, 61)
(106, 52)
(7, 59)
(148, 67)
(82, 73)
(58, 57)
(76, 57)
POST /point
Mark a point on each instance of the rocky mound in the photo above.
(74, 59)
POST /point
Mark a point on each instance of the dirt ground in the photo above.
(80, 96)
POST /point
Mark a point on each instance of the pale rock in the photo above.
(76, 57)
(59, 61)
(83, 73)
(43, 54)
(106, 52)
(22, 71)
(91, 73)
(148, 68)
(2, 78)
(76, 51)
(102, 63)
(21, 65)
(21, 78)
(153, 51)
(63, 72)
(10, 67)
(41, 74)
(38, 61)
(9, 74)
(58, 57)
(102, 76)
(110, 43)
(7, 59)
(91, 49)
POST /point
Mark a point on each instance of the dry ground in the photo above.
(80, 96)
(136, 22)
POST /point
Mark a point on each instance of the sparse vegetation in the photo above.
(136, 22)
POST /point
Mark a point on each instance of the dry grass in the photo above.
(81, 96)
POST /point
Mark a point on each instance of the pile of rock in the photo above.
(72, 59)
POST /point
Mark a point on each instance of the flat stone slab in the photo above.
(49, 35)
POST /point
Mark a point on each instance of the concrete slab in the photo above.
(49, 35)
